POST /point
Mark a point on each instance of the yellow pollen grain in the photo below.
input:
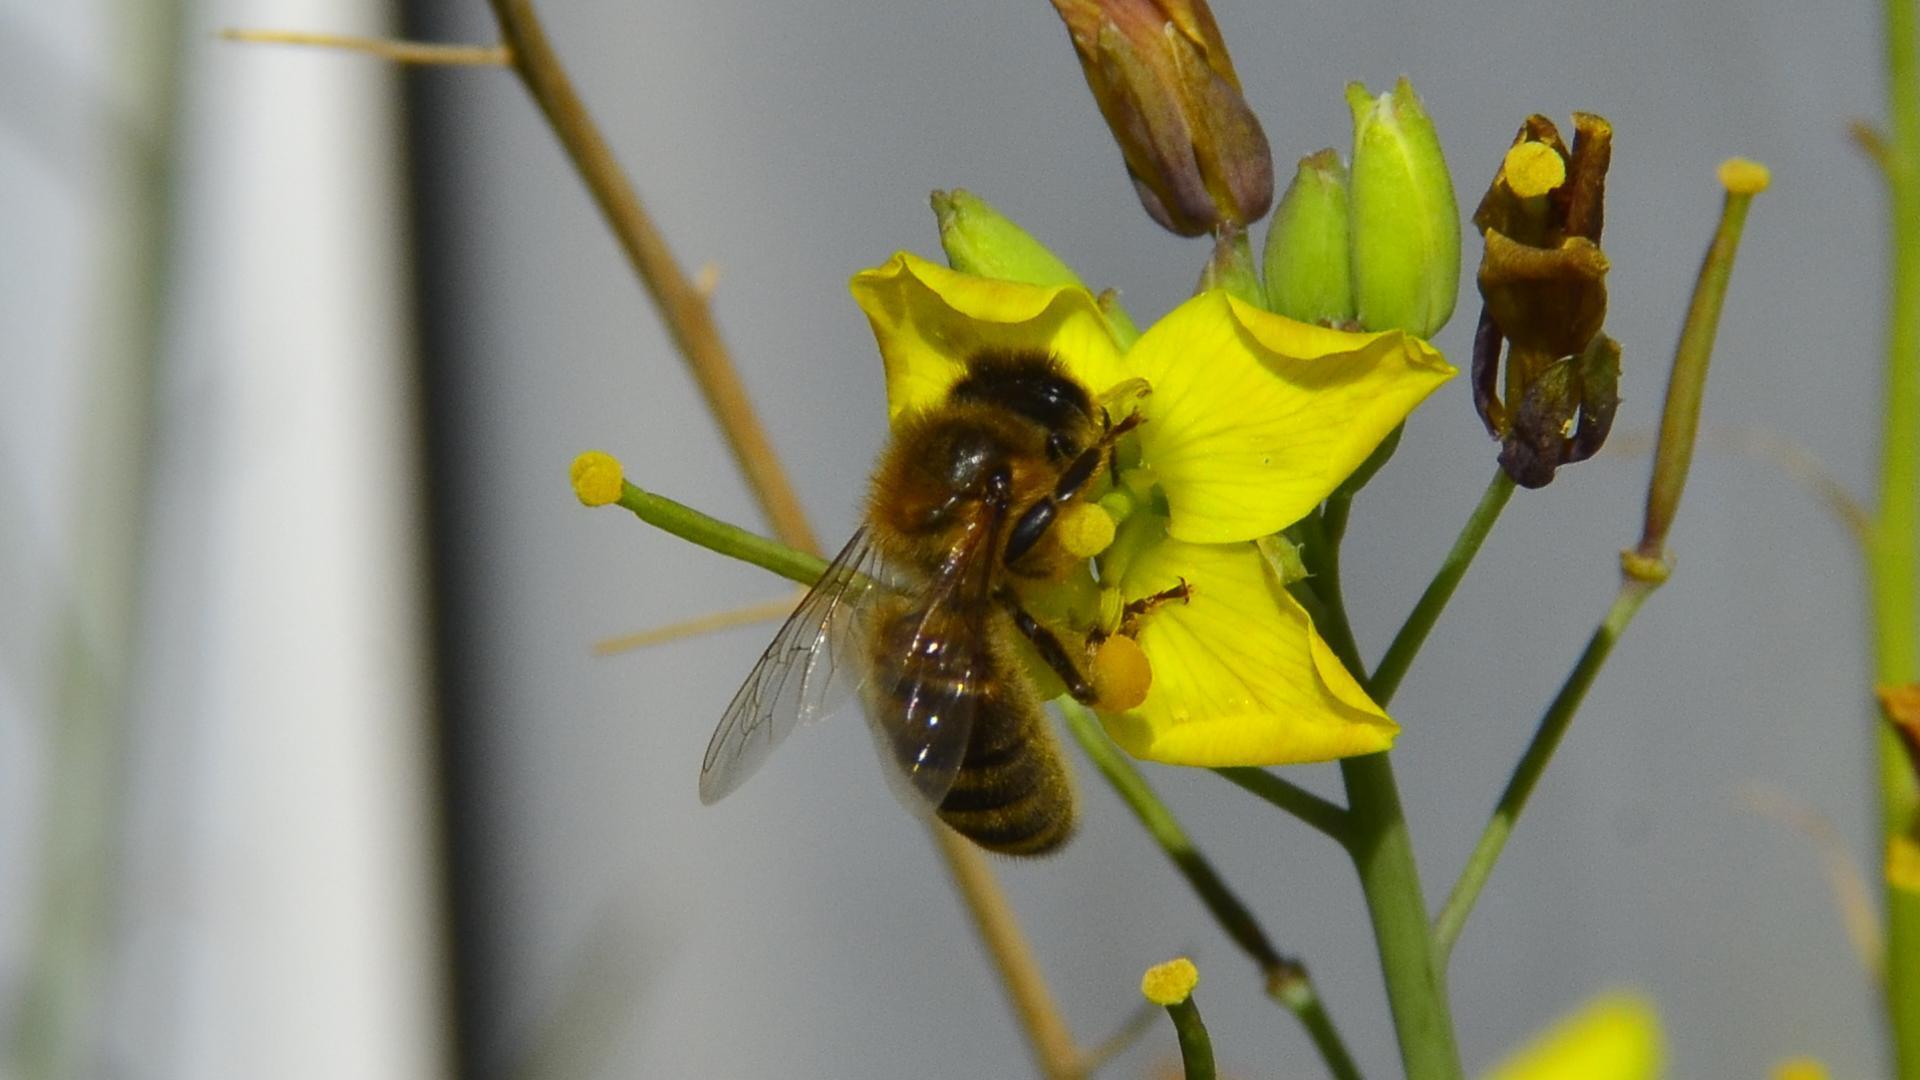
(1743, 177)
(1086, 529)
(597, 478)
(1121, 675)
(1534, 168)
(1800, 1068)
(1170, 983)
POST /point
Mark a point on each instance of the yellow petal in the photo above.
(1255, 418)
(929, 320)
(1615, 1037)
(1240, 677)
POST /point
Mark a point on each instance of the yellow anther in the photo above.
(1085, 529)
(1121, 675)
(1742, 177)
(597, 478)
(1534, 168)
(1170, 983)
(1800, 1068)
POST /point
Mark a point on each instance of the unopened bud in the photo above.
(1309, 260)
(982, 241)
(1160, 73)
(1405, 223)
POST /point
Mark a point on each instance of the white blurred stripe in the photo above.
(283, 921)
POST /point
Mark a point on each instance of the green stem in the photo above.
(1413, 633)
(1382, 852)
(1196, 1046)
(715, 535)
(1553, 725)
(1894, 566)
(1287, 980)
(1328, 817)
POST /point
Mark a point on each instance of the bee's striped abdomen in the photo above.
(1011, 793)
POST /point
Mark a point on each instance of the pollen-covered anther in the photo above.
(1121, 675)
(597, 478)
(1743, 177)
(1085, 529)
(1534, 168)
(1170, 983)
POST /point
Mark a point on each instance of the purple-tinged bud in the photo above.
(1160, 73)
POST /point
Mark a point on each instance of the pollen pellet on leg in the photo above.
(1085, 529)
(1121, 675)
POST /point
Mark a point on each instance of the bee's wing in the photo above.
(792, 679)
(923, 709)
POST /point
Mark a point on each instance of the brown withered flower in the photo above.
(1543, 283)
(1160, 72)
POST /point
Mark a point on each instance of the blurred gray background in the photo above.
(601, 922)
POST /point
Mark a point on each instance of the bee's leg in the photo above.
(1034, 522)
(1131, 615)
(1048, 645)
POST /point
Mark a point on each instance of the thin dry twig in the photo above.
(765, 611)
(688, 319)
(690, 323)
(401, 52)
(1852, 897)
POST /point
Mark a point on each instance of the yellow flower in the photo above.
(1252, 421)
(1616, 1037)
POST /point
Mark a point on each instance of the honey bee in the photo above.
(922, 604)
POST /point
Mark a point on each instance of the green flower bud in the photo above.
(1405, 224)
(1309, 259)
(982, 241)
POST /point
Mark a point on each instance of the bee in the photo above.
(920, 610)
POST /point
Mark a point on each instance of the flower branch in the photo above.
(1643, 568)
(1286, 978)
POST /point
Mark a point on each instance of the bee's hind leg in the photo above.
(1050, 648)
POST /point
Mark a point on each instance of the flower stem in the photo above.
(1420, 622)
(1287, 979)
(1196, 1046)
(1553, 725)
(1376, 837)
(1894, 563)
(1644, 567)
(1323, 815)
(718, 536)
(1383, 854)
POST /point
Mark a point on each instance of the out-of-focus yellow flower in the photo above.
(1251, 421)
(1615, 1037)
(1160, 72)
(1800, 1068)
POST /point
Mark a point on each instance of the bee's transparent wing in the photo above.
(923, 709)
(794, 677)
